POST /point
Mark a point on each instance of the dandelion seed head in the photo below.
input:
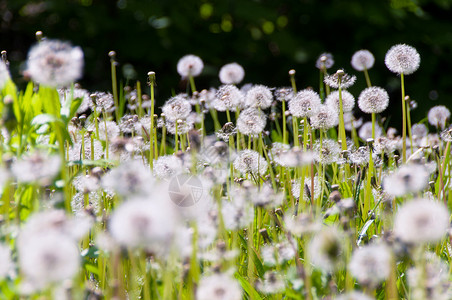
(218, 287)
(362, 60)
(438, 116)
(325, 61)
(4, 74)
(102, 102)
(325, 117)
(348, 101)
(167, 166)
(340, 79)
(232, 73)
(373, 100)
(365, 132)
(284, 94)
(407, 179)
(307, 188)
(446, 135)
(402, 58)
(76, 151)
(370, 264)
(7, 265)
(228, 97)
(183, 126)
(77, 92)
(190, 65)
(259, 96)
(384, 145)
(360, 156)
(328, 153)
(421, 221)
(37, 167)
(304, 104)
(128, 123)
(176, 108)
(228, 130)
(250, 161)
(272, 283)
(350, 122)
(237, 213)
(78, 203)
(419, 130)
(251, 121)
(107, 130)
(55, 63)
(326, 249)
(354, 295)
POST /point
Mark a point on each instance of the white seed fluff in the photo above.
(304, 104)
(218, 287)
(251, 121)
(438, 116)
(55, 63)
(259, 96)
(402, 58)
(232, 73)
(250, 161)
(362, 60)
(407, 179)
(348, 101)
(176, 108)
(370, 264)
(421, 221)
(373, 100)
(190, 65)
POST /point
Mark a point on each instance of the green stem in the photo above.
(403, 119)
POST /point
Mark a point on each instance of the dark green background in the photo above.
(267, 37)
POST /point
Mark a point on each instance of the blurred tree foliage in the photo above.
(267, 37)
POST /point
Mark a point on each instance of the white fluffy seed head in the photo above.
(328, 153)
(341, 79)
(402, 58)
(325, 117)
(419, 130)
(421, 221)
(438, 116)
(370, 264)
(251, 121)
(4, 74)
(167, 166)
(218, 287)
(190, 65)
(407, 179)
(176, 108)
(365, 132)
(362, 60)
(348, 101)
(250, 161)
(232, 73)
(228, 97)
(325, 61)
(259, 96)
(55, 63)
(304, 103)
(373, 100)
(326, 249)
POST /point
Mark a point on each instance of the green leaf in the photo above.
(45, 119)
(248, 288)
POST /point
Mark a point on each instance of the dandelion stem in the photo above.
(403, 119)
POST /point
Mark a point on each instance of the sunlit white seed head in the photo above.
(7, 265)
(129, 178)
(79, 150)
(304, 104)
(328, 152)
(407, 179)
(446, 135)
(419, 130)
(341, 79)
(438, 116)
(272, 283)
(76, 93)
(4, 74)
(354, 295)
(279, 253)
(324, 118)
(362, 60)
(232, 73)
(167, 166)
(237, 213)
(79, 207)
(107, 130)
(183, 126)
(351, 122)
(48, 258)
(360, 156)
(128, 123)
(373, 100)
(218, 287)
(251, 121)
(348, 101)
(284, 94)
(365, 132)
(421, 221)
(326, 249)
(37, 167)
(190, 65)
(250, 161)
(102, 102)
(384, 145)
(325, 61)
(402, 58)
(283, 155)
(301, 224)
(228, 97)
(55, 63)
(144, 224)
(370, 264)
(176, 108)
(259, 96)
(308, 193)
(228, 130)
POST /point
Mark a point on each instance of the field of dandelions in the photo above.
(106, 195)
